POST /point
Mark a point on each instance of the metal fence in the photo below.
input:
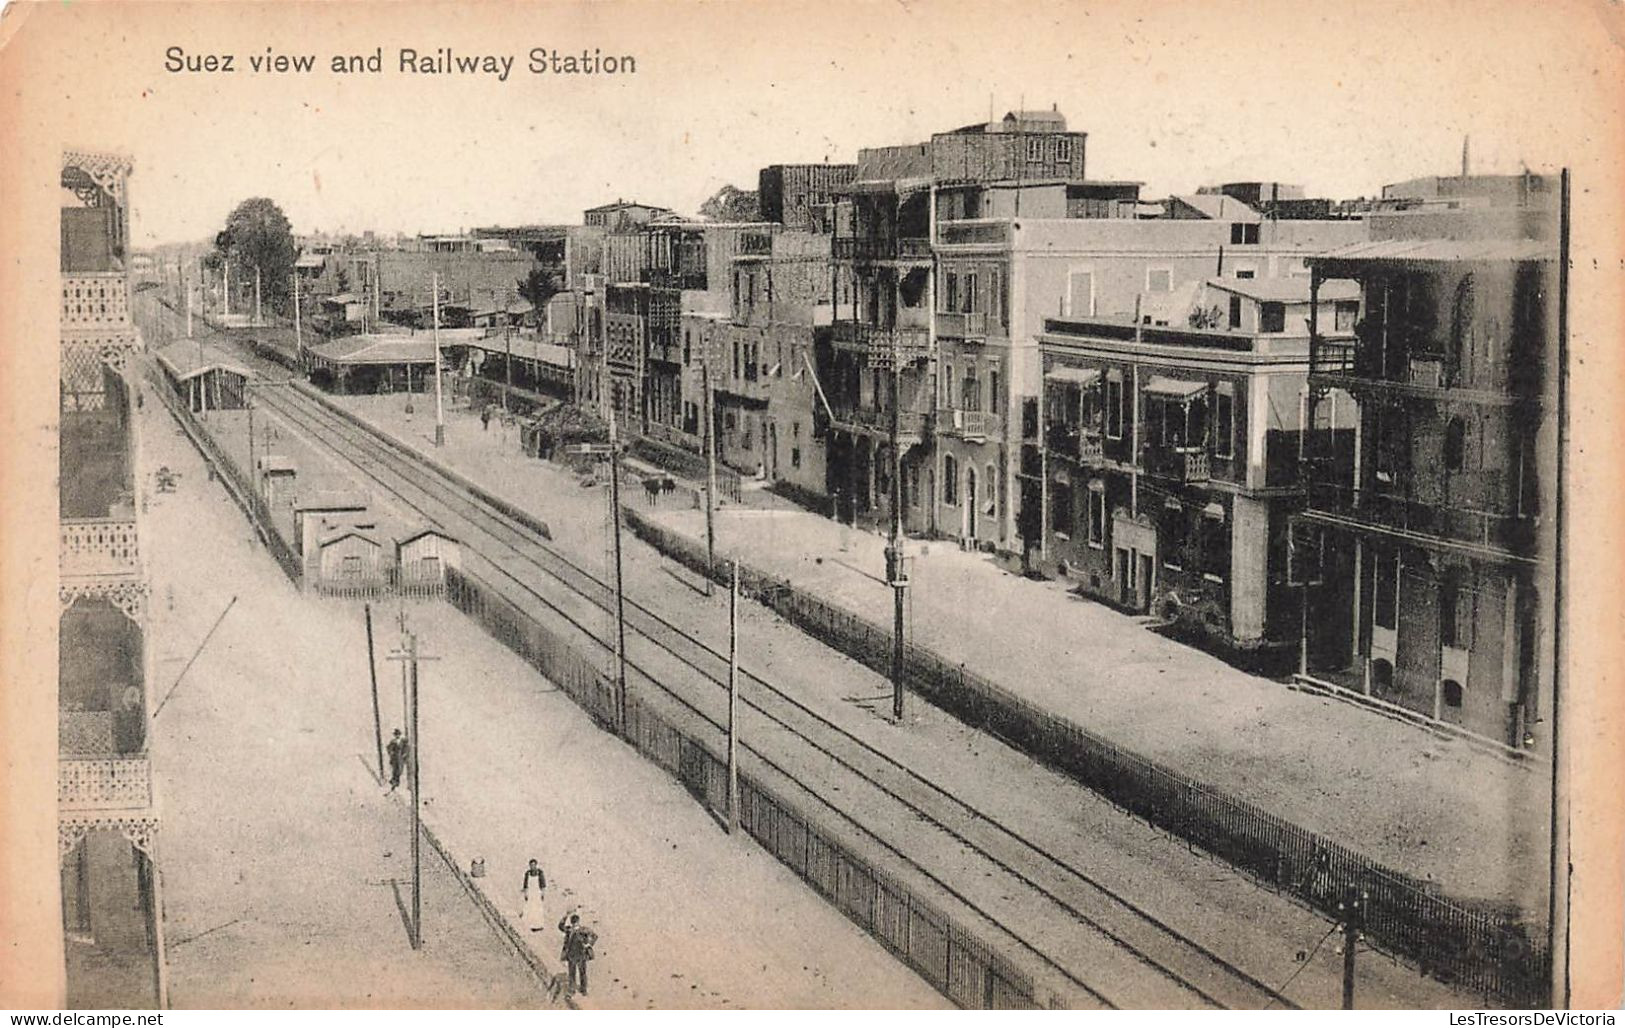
(237, 483)
(388, 580)
(944, 953)
(1481, 949)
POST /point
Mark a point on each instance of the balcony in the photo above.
(912, 425)
(907, 342)
(97, 303)
(93, 547)
(113, 783)
(1512, 533)
(973, 426)
(970, 326)
(874, 248)
(1188, 464)
(755, 244)
(958, 233)
(1068, 442)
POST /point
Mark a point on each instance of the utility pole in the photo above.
(710, 474)
(248, 405)
(372, 672)
(298, 331)
(507, 360)
(620, 604)
(1352, 912)
(439, 408)
(226, 284)
(186, 285)
(1134, 424)
(895, 575)
(256, 294)
(733, 698)
(409, 658)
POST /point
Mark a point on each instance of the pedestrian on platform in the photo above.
(531, 893)
(397, 759)
(578, 943)
(485, 418)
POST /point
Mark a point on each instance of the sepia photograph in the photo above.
(872, 506)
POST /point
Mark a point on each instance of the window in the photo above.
(1215, 544)
(1060, 509)
(1457, 605)
(1272, 317)
(1235, 311)
(1035, 148)
(969, 299)
(1171, 536)
(688, 344)
(1244, 233)
(1385, 588)
(994, 400)
(1080, 294)
(1452, 693)
(1000, 296)
(1347, 311)
(1243, 274)
(1097, 514)
(991, 483)
(1306, 555)
(1224, 420)
(1063, 151)
(1159, 280)
(950, 291)
(1455, 444)
(950, 479)
(795, 444)
(948, 386)
(1114, 405)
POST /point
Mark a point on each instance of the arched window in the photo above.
(1461, 330)
(1452, 693)
(1455, 444)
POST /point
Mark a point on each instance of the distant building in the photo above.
(624, 214)
(801, 197)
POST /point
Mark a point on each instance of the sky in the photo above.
(1339, 98)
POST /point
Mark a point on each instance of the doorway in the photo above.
(970, 503)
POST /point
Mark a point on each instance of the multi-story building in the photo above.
(999, 278)
(107, 814)
(1431, 522)
(802, 196)
(1169, 465)
(769, 417)
(623, 214)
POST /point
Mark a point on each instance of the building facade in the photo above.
(112, 906)
(1170, 459)
(1434, 514)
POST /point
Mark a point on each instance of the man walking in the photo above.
(578, 943)
(397, 759)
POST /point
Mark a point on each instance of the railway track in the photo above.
(1107, 950)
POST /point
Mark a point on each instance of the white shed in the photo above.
(423, 556)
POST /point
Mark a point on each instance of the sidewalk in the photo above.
(286, 862)
(1434, 808)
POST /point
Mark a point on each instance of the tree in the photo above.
(732, 204)
(257, 236)
(539, 287)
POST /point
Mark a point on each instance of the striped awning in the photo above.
(1179, 389)
(1073, 376)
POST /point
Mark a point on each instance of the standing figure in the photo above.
(485, 418)
(578, 943)
(397, 759)
(531, 893)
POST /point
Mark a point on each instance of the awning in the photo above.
(1214, 510)
(1074, 376)
(1173, 387)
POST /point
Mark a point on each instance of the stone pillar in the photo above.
(1249, 567)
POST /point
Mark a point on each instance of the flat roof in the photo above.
(187, 359)
(330, 499)
(1442, 250)
(372, 348)
(1292, 289)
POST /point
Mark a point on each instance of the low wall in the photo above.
(1484, 950)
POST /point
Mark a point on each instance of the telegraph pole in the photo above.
(620, 603)
(186, 286)
(439, 409)
(1352, 911)
(507, 363)
(710, 476)
(298, 332)
(248, 405)
(733, 698)
(256, 294)
(894, 548)
(409, 657)
(377, 718)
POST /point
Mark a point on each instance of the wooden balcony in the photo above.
(905, 342)
(881, 248)
(107, 783)
(1180, 463)
(973, 426)
(96, 303)
(99, 547)
(970, 326)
